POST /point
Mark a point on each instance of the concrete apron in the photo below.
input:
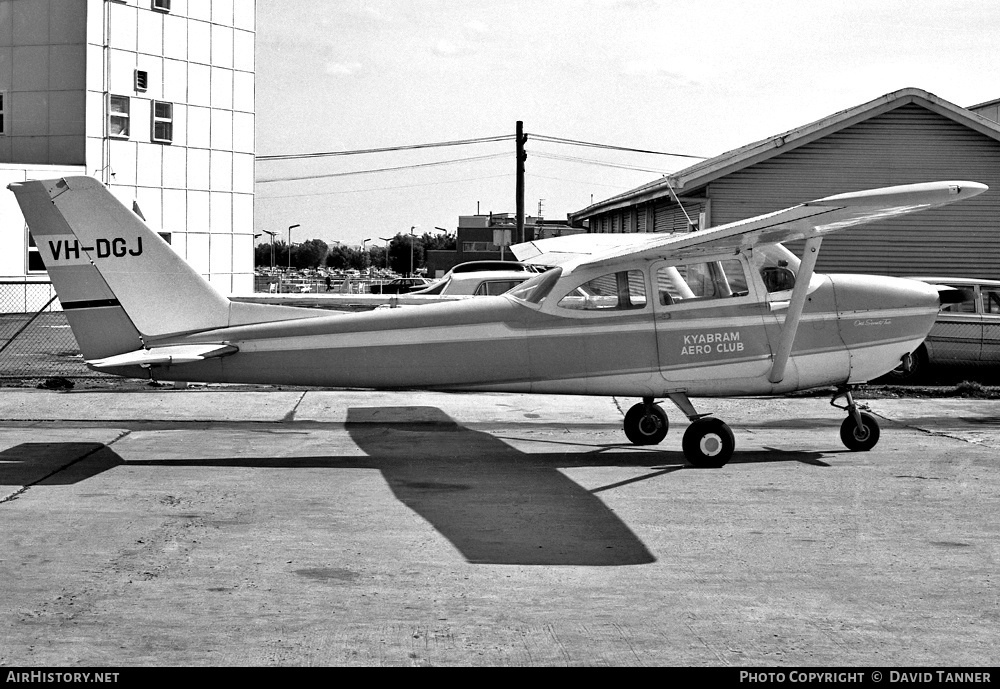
(225, 527)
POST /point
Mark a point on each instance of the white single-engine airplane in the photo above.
(725, 311)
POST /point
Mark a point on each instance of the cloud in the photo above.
(342, 68)
(653, 70)
(445, 47)
(478, 27)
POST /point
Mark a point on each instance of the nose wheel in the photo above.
(860, 431)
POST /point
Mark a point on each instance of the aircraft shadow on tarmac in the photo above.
(494, 503)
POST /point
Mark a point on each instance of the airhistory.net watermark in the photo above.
(45, 676)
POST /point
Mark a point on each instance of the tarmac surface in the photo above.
(227, 527)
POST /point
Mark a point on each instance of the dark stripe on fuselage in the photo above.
(90, 304)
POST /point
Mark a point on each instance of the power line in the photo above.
(466, 142)
(439, 144)
(297, 178)
(591, 161)
(402, 186)
(573, 142)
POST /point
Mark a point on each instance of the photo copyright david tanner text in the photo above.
(891, 677)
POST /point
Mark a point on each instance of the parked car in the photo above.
(400, 286)
(481, 283)
(480, 266)
(966, 333)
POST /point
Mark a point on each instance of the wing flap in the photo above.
(164, 356)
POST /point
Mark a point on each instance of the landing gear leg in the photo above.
(860, 430)
(646, 423)
(707, 442)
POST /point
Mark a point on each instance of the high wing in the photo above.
(808, 220)
(557, 251)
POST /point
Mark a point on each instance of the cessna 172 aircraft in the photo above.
(724, 311)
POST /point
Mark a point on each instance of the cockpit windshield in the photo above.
(533, 291)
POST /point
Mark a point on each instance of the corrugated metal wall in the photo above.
(905, 145)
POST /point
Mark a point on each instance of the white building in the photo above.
(153, 97)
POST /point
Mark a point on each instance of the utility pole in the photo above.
(521, 157)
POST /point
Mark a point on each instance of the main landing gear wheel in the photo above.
(708, 443)
(646, 424)
(859, 438)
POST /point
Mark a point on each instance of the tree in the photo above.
(310, 253)
(442, 242)
(262, 255)
(338, 257)
(399, 253)
(376, 257)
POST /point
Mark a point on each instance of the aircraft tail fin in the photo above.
(118, 281)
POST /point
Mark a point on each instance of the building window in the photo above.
(141, 79)
(118, 120)
(35, 264)
(163, 122)
(161, 5)
(479, 246)
(3, 113)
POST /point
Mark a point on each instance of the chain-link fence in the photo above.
(35, 338)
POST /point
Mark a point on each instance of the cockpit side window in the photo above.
(700, 281)
(624, 290)
(777, 266)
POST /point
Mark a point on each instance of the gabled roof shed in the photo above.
(903, 137)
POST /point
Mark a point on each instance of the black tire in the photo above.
(859, 439)
(917, 372)
(646, 429)
(708, 443)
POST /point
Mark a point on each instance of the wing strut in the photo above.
(795, 307)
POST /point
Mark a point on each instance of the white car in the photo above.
(479, 283)
(966, 333)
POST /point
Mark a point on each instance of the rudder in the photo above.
(118, 281)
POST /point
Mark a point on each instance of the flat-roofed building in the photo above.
(153, 97)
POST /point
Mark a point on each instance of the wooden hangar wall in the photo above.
(904, 145)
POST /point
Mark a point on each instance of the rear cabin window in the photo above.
(963, 306)
(701, 281)
(991, 301)
(495, 287)
(621, 291)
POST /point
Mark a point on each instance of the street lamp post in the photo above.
(290, 227)
(386, 240)
(411, 250)
(268, 232)
(411, 244)
(364, 251)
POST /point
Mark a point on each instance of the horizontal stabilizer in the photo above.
(164, 356)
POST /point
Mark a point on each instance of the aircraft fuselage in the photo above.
(853, 328)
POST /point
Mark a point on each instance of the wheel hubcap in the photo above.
(649, 425)
(710, 445)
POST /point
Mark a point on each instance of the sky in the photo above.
(691, 77)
